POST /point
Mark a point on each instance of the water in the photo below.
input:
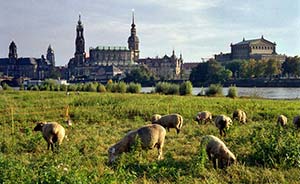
(270, 93)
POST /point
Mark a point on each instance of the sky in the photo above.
(196, 28)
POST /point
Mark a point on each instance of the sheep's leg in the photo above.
(214, 162)
(168, 129)
(224, 133)
(48, 146)
(52, 147)
(159, 149)
(220, 163)
(220, 132)
(178, 130)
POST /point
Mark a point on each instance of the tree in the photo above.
(291, 66)
(140, 75)
(235, 67)
(272, 68)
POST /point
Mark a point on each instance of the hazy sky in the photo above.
(197, 28)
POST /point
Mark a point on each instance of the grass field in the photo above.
(265, 153)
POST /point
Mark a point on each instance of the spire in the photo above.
(12, 50)
(79, 19)
(132, 18)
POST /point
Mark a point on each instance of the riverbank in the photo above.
(264, 83)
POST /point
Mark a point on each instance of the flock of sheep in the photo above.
(153, 135)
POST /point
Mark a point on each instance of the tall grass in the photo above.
(265, 153)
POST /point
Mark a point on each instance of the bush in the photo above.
(232, 92)
(101, 88)
(134, 88)
(214, 90)
(63, 87)
(186, 88)
(121, 87)
(167, 88)
(173, 89)
(6, 87)
(90, 87)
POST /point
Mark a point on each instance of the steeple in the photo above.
(133, 41)
(50, 55)
(79, 43)
(12, 54)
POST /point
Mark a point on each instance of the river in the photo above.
(270, 92)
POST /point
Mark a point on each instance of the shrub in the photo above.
(6, 87)
(72, 87)
(90, 87)
(121, 87)
(186, 88)
(101, 88)
(214, 90)
(173, 89)
(134, 88)
(63, 87)
(162, 87)
(232, 92)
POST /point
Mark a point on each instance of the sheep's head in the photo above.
(38, 126)
(197, 118)
(155, 117)
(112, 154)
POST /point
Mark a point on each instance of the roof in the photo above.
(27, 61)
(189, 65)
(118, 48)
(247, 42)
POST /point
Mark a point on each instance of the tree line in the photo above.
(213, 71)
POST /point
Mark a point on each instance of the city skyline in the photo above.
(196, 28)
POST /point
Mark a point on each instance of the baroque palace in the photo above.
(107, 62)
(258, 49)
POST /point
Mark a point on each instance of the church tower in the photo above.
(50, 55)
(133, 42)
(79, 44)
(12, 54)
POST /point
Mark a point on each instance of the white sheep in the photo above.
(217, 150)
(170, 121)
(52, 132)
(223, 123)
(151, 136)
(204, 116)
(296, 121)
(155, 117)
(240, 116)
(282, 120)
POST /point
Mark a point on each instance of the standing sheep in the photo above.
(223, 123)
(296, 121)
(155, 117)
(151, 136)
(170, 121)
(204, 116)
(240, 116)
(282, 120)
(217, 150)
(52, 132)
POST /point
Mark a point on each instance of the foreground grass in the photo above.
(265, 153)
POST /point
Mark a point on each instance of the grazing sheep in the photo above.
(170, 121)
(223, 123)
(217, 150)
(240, 116)
(155, 117)
(204, 116)
(151, 136)
(52, 133)
(282, 120)
(296, 121)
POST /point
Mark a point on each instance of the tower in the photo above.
(12, 54)
(50, 55)
(79, 44)
(133, 41)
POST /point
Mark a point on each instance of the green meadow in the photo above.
(265, 152)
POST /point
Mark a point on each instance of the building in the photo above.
(102, 58)
(187, 69)
(166, 68)
(258, 49)
(27, 67)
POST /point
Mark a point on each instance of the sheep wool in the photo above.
(218, 152)
(155, 117)
(203, 116)
(240, 116)
(52, 132)
(151, 136)
(171, 121)
(223, 123)
(282, 120)
(296, 121)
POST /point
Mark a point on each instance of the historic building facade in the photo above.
(251, 49)
(112, 59)
(166, 68)
(27, 67)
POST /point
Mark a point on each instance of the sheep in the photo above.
(170, 121)
(155, 117)
(151, 136)
(281, 120)
(240, 116)
(203, 116)
(296, 121)
(52, 132)
(223, 123)
(217, 150)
